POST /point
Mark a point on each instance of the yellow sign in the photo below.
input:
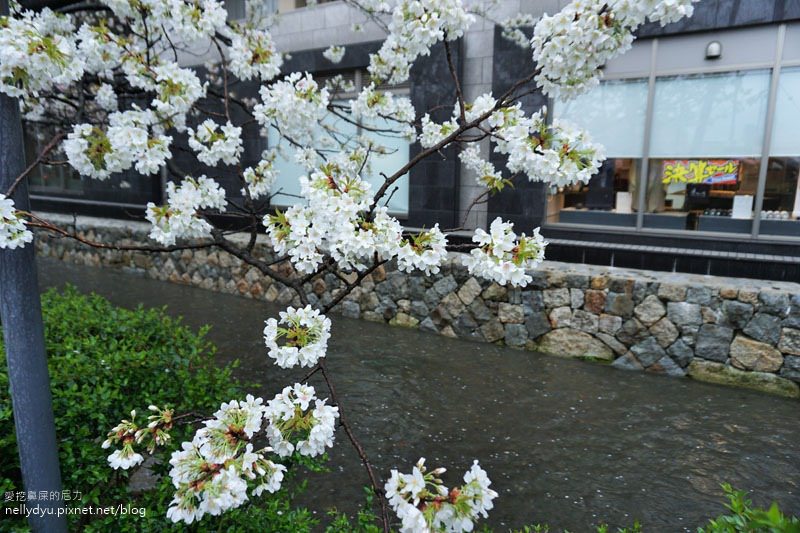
(714, 171)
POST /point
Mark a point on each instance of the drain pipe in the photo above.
(23, 335)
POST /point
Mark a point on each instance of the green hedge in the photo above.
(104, 361)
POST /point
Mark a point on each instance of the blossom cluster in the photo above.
(570, 47)
(214, 143)
(253, 54)
(180, 218)
(433, 133)
(372, 103)
(424, 251)
(261, 178)
(305, 333)
(215, 470)
(340, 219)
(557, 153)
(300, 422)
(502, 256)
(37, 52)
(127, 433)
(334, 53)
(127, 142)
(415, 27)
(424, 504)
(13, 232)
(294, 106)
(211, 473)
(187, 22)
(485, 172)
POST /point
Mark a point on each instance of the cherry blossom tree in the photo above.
(106, 84)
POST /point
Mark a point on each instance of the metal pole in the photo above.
(23, 335)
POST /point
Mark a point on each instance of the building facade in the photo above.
(700, 120)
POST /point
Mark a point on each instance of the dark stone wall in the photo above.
(433, 183)
(524, 205)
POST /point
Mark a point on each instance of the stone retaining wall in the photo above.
(723, 330)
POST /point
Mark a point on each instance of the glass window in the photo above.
(706, 144)
(614, 115)
(780, 214)
(391, 153)
(49, 178)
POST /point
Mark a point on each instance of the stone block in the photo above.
(594, 301)
(510, 314)
(609, 324)
(350, 309)
(713, 342)
(428, 325)
(619, 304)
(493, 330)
(561, 317)
(584, 321)
(576, 298)
(722, 374)
(445, 285)
(650, 310)
(668, 367)
(681, 353)
(632, 332)
(728, 293)
(469, 291)
(537, 324)
(480, 311)
(648, 351)
(684, 314)
(775, 302)
(612, 343)
(748, 296)
(699, 295)
(556, 298)
(737, 314)
(664, 332)
(404, 320)
(791, 367)
(494, 292)
(764, 328)
(567, 342)
(627, 362)
(790, 341)
(516, 335)
(671, 292)
(749, 354)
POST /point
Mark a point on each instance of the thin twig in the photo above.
(47, 149)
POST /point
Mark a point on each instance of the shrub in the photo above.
(102, 358)
(744, 518)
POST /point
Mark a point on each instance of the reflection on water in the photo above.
(565, 442)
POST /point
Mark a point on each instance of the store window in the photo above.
(392, 152)
(705, 151)
(614, 115)
(48, 178)
(780, 213)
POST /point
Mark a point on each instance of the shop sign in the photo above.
(712, 171)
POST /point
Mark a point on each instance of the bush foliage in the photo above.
(104, 360)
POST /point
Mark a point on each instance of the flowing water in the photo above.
(564, 442)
